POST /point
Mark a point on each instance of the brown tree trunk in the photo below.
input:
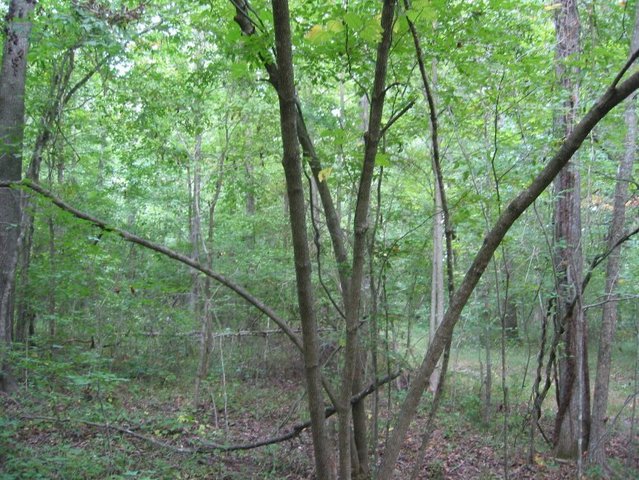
(360, 227)
(573, 396)
(12, 89)
(597, 450)
(297, 214)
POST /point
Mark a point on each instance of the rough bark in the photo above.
(597, 450)
(12, 89)
(614, 95)
(297, 214)
(571, 435)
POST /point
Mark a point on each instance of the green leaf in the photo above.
(383, 160)
(353, 21)
(372, 32)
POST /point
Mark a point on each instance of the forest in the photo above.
(311, 239)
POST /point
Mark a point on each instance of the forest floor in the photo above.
(65, 424)
(54, 441)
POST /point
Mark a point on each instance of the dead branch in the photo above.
(207, 447)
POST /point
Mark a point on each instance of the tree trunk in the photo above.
(597, 450)
(195, 238)
(571, 433)
(12, 88)
(294, 186)
(437, 279)
(206, 340)
(360, 227)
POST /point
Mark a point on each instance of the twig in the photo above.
(625, 68)
(397, 116)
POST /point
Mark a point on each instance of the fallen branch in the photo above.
(108, 426)
(237, 333)
(156, 247)
(205, 447)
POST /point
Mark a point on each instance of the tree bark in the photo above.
(12, 89)
(571, 433)
(597, 449)
(297, 214)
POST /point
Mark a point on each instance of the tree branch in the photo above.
(132, 238)
(397, 116)
(205, 447)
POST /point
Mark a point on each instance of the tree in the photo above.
(129, 133)
(598, 434)
(12, 90)
(295, 192)
(573, 394)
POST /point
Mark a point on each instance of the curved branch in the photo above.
(132, 238)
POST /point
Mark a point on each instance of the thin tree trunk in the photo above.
(571, 433)
(597, 450)
(196, 302)
(360, 227)
(12, 90)
(206, 340)
(442, 218)
(52, 286)
(293, 173)
(437, 301)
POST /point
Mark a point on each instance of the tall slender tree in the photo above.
(12, 88)
(597, 450)
(570, 436)
(297, 214)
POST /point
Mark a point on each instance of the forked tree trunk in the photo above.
(597, 450)
(352, 349)
(573, 415)
(12, 88)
